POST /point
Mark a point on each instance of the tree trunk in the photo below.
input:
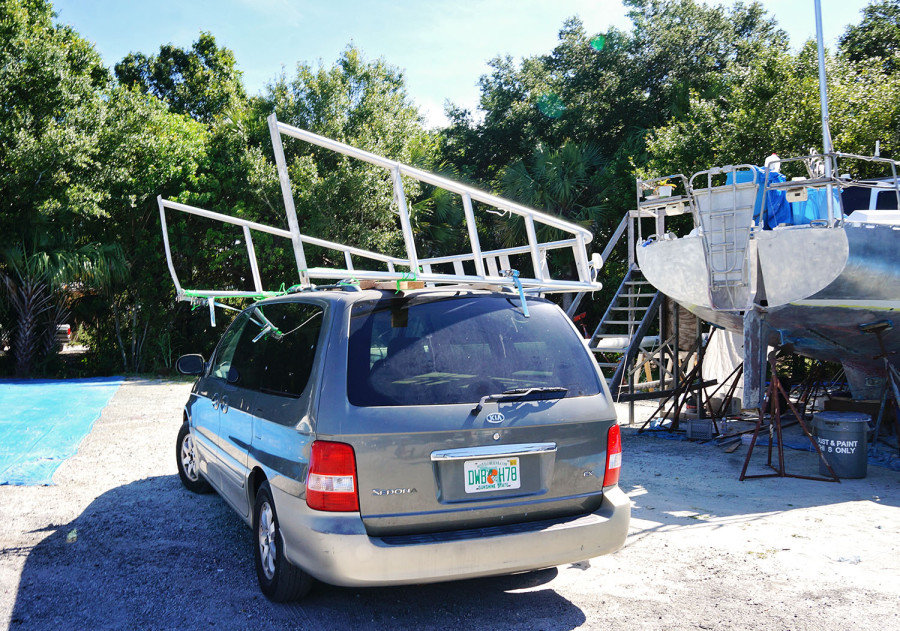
(30, 299)
(134, 333)
(119, 335)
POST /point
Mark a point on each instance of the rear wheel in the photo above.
(186, 456)
(278, 579)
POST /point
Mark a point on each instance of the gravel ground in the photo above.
(117, 543)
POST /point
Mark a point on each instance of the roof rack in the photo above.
(492, 267)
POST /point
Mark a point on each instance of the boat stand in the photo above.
(780, 471)
(891, 390)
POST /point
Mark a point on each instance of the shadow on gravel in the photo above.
(678, 484)
(151, 555)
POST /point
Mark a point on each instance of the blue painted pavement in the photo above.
(43, 421)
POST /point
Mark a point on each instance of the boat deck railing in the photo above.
(796, 189)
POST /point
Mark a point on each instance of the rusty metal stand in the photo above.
(891, 378)
(775, 431)
(685, 384)
(734, 377)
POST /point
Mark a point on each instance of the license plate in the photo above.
(496, 474)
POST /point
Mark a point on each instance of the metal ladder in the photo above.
(634, 308)
(725, 216)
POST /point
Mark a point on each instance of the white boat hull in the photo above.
(813, 286)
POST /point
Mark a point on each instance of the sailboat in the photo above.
(810, 265)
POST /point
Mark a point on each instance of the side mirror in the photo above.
(190, 364)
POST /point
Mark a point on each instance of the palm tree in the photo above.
(569, 183)
(36, 287)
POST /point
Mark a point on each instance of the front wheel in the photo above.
(278, 578)
(186, 456)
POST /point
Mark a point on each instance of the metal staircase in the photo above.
(624, 327)
(640, 365)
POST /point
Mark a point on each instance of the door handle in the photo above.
(215, 401)
(225, 405)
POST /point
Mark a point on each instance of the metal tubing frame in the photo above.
(433, 179)
(288, 196)
(419, 269)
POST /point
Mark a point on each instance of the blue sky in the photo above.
(441, 45)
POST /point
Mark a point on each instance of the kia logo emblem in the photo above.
(496, 417)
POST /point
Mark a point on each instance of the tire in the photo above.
(186, 457)
(279, 580)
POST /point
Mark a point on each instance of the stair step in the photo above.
(622, 322)
(630, 295)
(642, 309)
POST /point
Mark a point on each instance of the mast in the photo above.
(827, 147)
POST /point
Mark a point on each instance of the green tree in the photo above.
(147, 151)
(202, 82)
(362, 103)
(877, 36)
(81, 161)
(565, 183)
(607, 88)
(36, 289)
(51, 113)
(772, 105)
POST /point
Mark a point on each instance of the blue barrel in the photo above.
(843, 439)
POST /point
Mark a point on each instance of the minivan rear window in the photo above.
(457, 350)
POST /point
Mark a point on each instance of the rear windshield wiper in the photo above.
(519, 393)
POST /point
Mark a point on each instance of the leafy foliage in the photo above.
(729, 129)
(84, 153)
(364, 104)
(877, 36)
(202, 82)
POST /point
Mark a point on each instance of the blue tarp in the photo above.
(815, 206)
(42, 422)
(778, 210)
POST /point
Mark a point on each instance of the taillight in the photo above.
(613, 456)
(331, 484)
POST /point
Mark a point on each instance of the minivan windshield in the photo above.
(409, 351)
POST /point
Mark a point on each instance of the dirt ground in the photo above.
(117, 543)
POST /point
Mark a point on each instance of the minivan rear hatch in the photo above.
(464, 412)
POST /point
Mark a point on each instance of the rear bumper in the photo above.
(334, 547)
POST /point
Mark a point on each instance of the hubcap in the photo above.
(188, 463)
(267, 549)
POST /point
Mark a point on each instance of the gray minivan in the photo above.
(374, 437)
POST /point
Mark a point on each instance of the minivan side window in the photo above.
(279, 358)
(221, 363)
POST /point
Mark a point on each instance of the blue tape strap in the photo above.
(515, 277)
